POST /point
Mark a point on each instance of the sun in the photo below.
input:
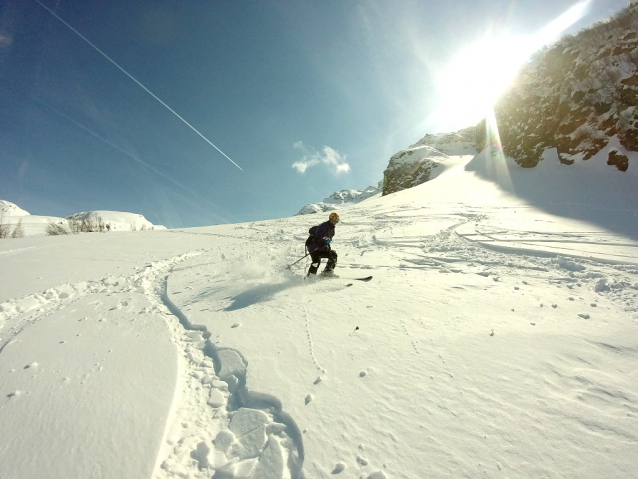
(477, 76)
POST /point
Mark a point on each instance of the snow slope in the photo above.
(496, 339)
(426, 159)
(9, 209)
(35, 225)
(118, 220)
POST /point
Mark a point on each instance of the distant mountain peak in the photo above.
(10, 209)
(338, 198)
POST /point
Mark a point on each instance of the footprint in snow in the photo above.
(339, 467)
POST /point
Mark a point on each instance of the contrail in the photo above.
(132, 78)
(130, 155)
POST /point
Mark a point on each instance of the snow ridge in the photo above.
(260, 440)
(10, 209)
(427, 159)
(215, 420)
(35, 225)
(339, 198)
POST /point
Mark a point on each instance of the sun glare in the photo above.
(475, 79)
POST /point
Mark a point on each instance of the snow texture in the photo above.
(498, 338)
(9, 209)
(35, 225)
(340, 198)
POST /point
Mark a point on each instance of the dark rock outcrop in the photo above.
(578, 96)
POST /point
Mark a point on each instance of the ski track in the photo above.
(473, 253)
(218, 429)
(310, 343)
(450, 252)
(19, 313)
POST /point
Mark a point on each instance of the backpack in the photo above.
(311, 232)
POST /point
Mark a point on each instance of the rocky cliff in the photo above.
(426, 158)
(578, 96)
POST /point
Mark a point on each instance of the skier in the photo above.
(319, 246)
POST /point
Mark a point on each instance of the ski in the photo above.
(322, 278)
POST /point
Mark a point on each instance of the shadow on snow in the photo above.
(260, 293)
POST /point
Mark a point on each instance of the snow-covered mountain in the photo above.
(340, 198)
(578, 96)
(118, 220)
(427, 158)
(9, 209)
(34, 225)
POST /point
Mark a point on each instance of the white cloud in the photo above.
(330, 157)
(343, 168)
(303, 165)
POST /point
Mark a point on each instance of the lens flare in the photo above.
(495, 158)
(478, 76)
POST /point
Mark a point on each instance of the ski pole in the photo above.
(308, 253)
(288, 267)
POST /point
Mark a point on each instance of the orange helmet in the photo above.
(334, 217)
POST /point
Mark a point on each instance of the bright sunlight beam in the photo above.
(477, 76)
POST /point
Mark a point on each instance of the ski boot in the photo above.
(329, 273)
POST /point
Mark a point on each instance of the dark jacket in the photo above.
(324, 231)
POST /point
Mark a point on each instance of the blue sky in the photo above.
(307, 97)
